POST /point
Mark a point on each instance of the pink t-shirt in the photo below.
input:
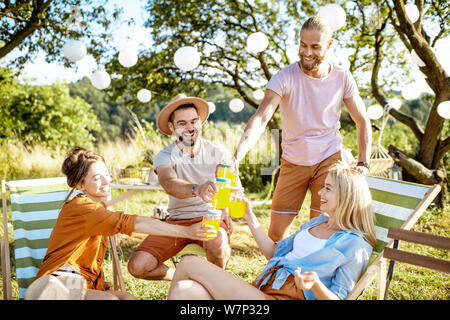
(310, 112)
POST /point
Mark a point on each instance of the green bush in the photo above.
(44, 115)
(251, 178)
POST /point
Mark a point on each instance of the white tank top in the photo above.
(304, 244)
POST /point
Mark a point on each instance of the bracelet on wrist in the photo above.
(194, 190)
(363, 164)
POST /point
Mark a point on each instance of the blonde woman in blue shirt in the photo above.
(322, 260)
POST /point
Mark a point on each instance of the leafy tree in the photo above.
(427, 165)
(111, 113)
(47, 24)
(44, 114)
(377, 36)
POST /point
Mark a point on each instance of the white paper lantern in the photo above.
(412, 12)
(74, 50)
(442, 48)
(334, 14)
(258, 94)
(395, 103)
(416, 59)
(100, 79)
(212, 107)
(187, 58)
(144, 95)
(257, 42)
(128, 57)
(236, 105)
(411, 91)
(443, 109)
(375, 112)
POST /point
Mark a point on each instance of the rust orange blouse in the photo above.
(79, 238)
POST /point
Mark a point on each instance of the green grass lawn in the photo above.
(246, 262)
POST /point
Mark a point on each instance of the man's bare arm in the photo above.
(357, 110)
(182, 189)
(257, 124)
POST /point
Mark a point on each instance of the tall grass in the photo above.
(18, 161)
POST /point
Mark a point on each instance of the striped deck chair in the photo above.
(35, 206)
(396, 204)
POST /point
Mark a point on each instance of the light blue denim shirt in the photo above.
(338, 264)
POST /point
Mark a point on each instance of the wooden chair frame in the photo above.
(394, 254)
(378, 267)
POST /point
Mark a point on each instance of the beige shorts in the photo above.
(294, 182)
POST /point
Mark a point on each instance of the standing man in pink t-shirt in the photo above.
(310, 93)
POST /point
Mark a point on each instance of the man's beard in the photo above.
(191, 142)
(311, 65)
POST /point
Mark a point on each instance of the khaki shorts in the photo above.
(288, 290)
(294, 182)
(164, 248)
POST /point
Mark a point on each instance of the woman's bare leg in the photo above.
(107, 295)
(197, 278)
(99, 295)
(188, 290)
(122, 295)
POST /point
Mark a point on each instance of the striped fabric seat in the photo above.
(397, 204)
(35, 207)
(393, 202)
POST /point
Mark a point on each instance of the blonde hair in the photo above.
(354, 202)
(319, 24)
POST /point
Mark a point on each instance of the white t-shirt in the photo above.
(310, 111)
(305, 244)
(199, 169)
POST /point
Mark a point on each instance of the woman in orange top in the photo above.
(78, 241)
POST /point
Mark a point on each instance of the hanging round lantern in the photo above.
(128, 57)
(100, 79)
(74, 50)
(144, 95)
(236, 105)
(258, 94)
(212, 107)
(443, 109)
(442, 48)
(375, 112)
(187, 58)
(395, 103)
(334, 14)
(411, 91)
(412, 12)
(257, 42)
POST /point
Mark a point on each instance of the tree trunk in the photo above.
(421, 173)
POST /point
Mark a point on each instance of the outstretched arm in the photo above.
(257, 124)
(172, 185)
(267, 245)
(156, 227)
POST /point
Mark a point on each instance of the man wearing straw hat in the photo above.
(186, 170)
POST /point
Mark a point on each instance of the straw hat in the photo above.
(49, 287)
(163, 118)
